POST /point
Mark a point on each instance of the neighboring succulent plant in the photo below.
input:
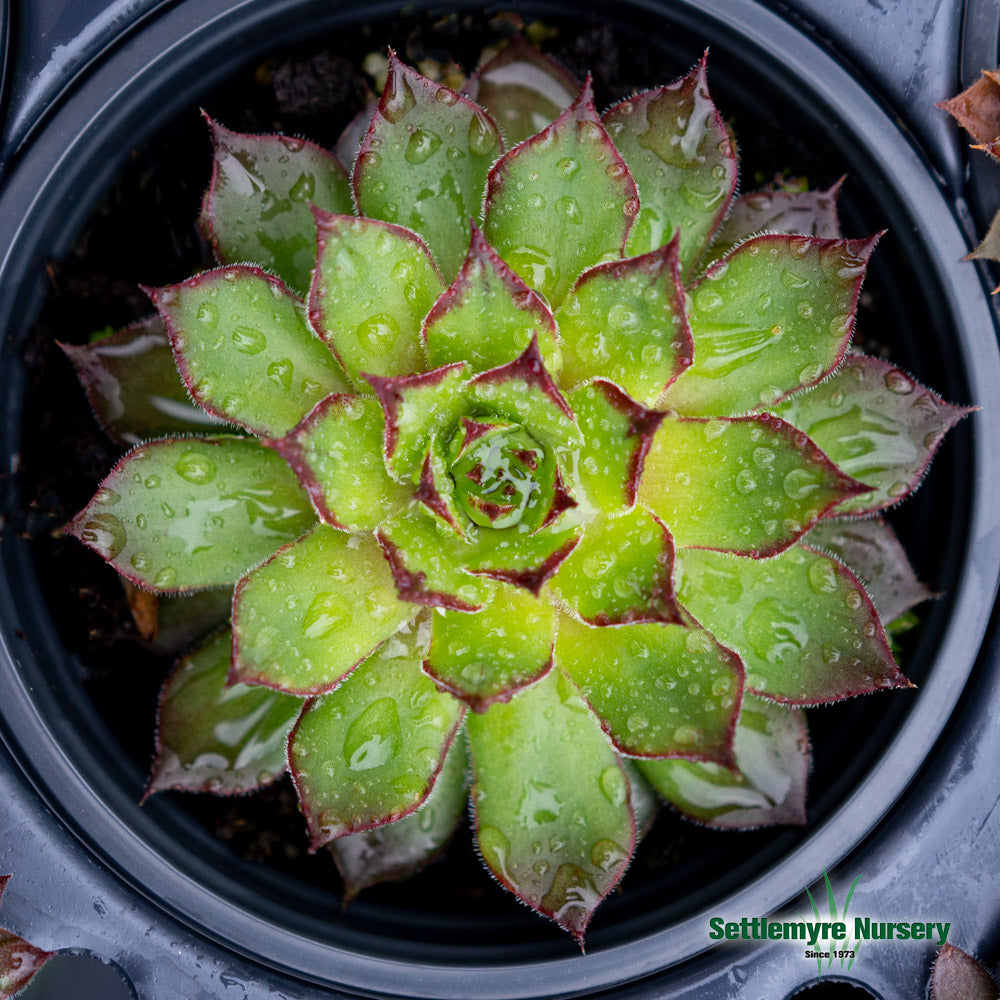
(977, 110)
(956, 975)
(584, 465)
(19, 959)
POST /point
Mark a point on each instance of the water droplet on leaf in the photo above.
(280, 373)
(196, 468)
(326, 612)
(613, 785)
(207, 313)
(822, 577)
(248, 340)
(799, 483)
(570, 209)
(304, 189)
(897, 382)
(495, 848)
(104, 533)
(421, 146)
(374, 737)
(482, 141)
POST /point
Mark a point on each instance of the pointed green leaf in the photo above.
(132, 383)
(370, 752)
(645, 804)
(193, 512)
(487, 656)
(677, 147)
(424, 161)
(336, 451)
(183, 620)
(488, 315)
(354, 133)
(617, 433)
(958, 976)
(523, 392)
(768, 785)
(774, 316)
(245, 350)
(305, 618)
(428, 561)
(19, 961)
(625, 322)
(214, 738)
(570, 190)
(436, 490)
(398, 850)
(523, 89)
(750, 485)
(878, 424)
(258, 205)
(659, 690)
(433, 564)
(621, 572)
(552, 813)
(803, 624)
(872, 551)
(418, 408)
(372, 287)
(779, 210)
(520, 558)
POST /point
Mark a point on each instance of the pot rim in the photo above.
(100, 113)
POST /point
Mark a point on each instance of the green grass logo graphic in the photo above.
(849, 946)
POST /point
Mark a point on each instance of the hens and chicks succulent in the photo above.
(537, 459)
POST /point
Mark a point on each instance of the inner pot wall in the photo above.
(146, 846)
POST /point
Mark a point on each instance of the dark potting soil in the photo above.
(145, 232)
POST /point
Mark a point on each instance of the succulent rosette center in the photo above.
(569, 465)
(502, 475)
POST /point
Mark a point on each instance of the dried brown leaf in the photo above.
(145, 608)
(977, 108)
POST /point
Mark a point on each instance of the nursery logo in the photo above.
(829, 938)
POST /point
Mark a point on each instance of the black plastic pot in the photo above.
(905, 800)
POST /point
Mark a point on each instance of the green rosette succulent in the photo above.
(536, 461)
